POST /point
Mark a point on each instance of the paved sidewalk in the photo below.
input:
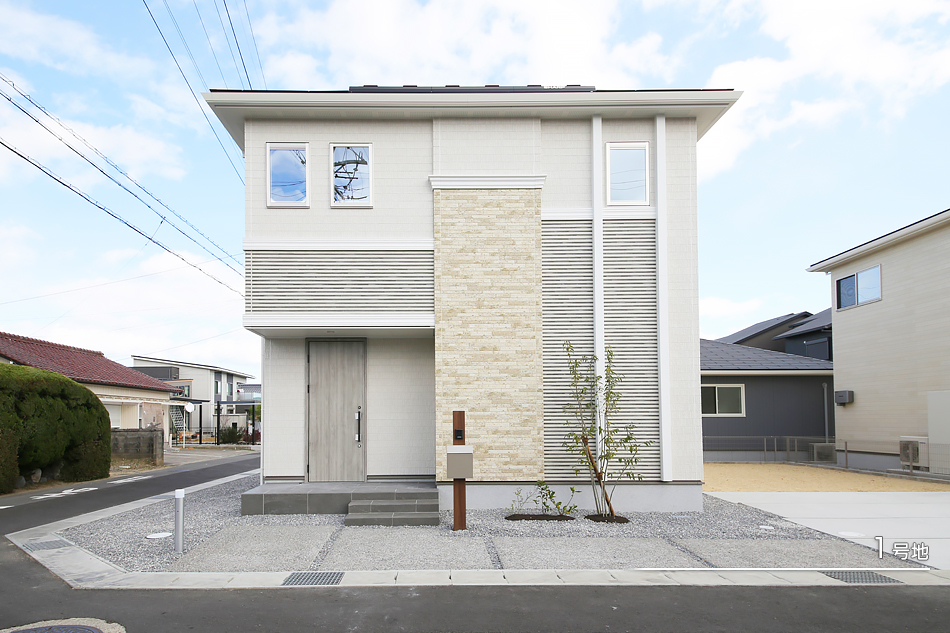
(897, 517)
(81, 569)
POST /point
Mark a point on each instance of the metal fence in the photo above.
(768, 448)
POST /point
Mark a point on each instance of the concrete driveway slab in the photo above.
(266, 548)
(814, 553)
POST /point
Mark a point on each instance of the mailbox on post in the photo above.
(460, 465)
(460, 462)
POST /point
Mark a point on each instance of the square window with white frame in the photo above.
(351, 178)
(723, 401)
(862, 287)
(628, 173)
(288, 178)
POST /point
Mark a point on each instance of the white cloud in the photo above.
(178, 313)
(15, 245)
(62, 44)
(862, 52)
(459, 42)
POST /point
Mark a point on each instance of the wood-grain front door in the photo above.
(337, 411)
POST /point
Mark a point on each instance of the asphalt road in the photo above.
(29, 593)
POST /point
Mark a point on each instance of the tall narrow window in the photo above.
(351, 178)
(628, 170)
(287, 175)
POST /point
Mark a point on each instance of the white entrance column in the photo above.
(662, 303)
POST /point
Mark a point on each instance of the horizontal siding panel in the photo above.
(568, 314)
(339, 281)
(630, 328)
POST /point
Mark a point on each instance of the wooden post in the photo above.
(458, 485)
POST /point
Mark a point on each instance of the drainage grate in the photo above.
(862, 577)
(313, 578)
(36, 547)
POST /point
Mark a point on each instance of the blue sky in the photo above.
(840, 137)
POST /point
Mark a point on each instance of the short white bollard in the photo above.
(179, 520)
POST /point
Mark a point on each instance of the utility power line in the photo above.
(181, 36)
(254, 41)
(197, 101)
(208, 37)
(109, 176)
(236, 43)
(110, 212)
(112, 164)
(228, 40)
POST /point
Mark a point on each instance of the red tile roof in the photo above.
(82, 365)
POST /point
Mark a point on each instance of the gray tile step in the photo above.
(392, 518)
(363, 506)
(395, 495)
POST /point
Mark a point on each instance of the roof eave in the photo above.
(895, 237)
(234, 107)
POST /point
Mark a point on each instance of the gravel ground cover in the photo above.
(218, 538)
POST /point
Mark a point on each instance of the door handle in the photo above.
(358, 420)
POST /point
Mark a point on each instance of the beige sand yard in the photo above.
(797, 478)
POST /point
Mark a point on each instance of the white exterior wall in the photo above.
(400, 387)
(463, 147)
(565, 160)
(402, 197)
(682, 288)
(284, 410)
(893, 352)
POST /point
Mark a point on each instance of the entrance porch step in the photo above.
(392, 518)
(364, 506)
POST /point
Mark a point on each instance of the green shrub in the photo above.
(45, 417)
(230, 435)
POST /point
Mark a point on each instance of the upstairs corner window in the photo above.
(352, 182)
(862, 287)
(287, 175)
(629, 173)
(723, 400)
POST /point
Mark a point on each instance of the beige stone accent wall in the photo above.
(488, 341)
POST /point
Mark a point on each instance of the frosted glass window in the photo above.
(287, 174)
(628, 170)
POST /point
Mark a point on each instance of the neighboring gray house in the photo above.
(754, 399)
(763, 333)
(412, 251)
(810, 337)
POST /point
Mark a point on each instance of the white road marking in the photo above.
(128, 479)
(5, 507)
(63, 493)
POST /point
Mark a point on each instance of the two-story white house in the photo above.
(415, 251)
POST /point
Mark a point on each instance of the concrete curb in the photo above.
(83, 570)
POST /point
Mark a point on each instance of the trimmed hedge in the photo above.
(45, 417)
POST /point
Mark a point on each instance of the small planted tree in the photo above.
(606, 448)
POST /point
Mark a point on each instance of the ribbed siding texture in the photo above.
(630, 328)
(339, 281)
(568, 314)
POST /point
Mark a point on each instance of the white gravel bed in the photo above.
(218, 538)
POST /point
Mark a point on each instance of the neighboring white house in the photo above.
(415, 251)
(133, 400)
(891, 300)
(204, 385)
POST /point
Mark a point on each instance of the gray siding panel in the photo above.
(630, 328)
(339, 281)
(568, 314)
